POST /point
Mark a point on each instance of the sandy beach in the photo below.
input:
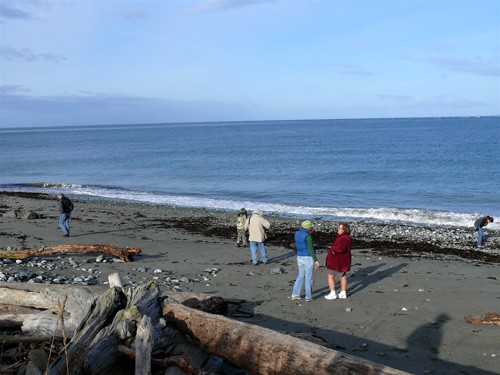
(405, 306)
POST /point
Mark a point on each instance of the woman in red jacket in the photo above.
(338, 261)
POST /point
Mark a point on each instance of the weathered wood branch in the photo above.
(124, 253)
(263, 351)
(144, 347)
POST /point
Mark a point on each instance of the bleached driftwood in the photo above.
(143, 347)
(126, 253)
(115, 280)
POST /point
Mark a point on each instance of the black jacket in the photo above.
(65, 206)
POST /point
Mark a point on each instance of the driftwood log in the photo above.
(124, 253)
(263, 351)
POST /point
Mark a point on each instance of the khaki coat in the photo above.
(256, 226)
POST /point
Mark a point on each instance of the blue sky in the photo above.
(123, 62)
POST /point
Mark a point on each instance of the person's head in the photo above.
(242, 212)
(60, 196)
(490, 219)
(257, 212)
(344, 228)
(307, 225)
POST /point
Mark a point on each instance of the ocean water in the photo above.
(421, 171)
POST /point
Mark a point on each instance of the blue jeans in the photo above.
(306, 268)
(64, 220)
(253, 249)
(479, 236)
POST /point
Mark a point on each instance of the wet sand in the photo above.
(406, 301)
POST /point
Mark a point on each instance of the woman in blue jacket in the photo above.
(306, 260)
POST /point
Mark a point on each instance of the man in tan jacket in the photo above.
(257, 235)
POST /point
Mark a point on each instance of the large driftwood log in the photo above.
(80, 297)
(263, 351)
(47, 298)
(126, 253)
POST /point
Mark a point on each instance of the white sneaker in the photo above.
(342, 294)
(331, 295)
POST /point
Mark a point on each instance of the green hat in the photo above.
(307, 224)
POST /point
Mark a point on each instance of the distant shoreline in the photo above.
(386, 239)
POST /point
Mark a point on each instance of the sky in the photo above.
(99, 62)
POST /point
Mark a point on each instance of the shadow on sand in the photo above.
(421, 354)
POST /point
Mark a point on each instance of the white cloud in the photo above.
(28, 55)
(20, 9)
(476, 67)
(13, 89)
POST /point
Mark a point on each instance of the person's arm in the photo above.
(310, 247)
(265, 223)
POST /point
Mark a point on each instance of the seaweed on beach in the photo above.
(282, 236)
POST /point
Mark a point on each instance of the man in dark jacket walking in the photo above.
(65, 208)
(479, 224)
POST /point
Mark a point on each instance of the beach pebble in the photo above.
(364, 345)
(99, 259)
(348, 309)
(157, 271)
(277, 270)
(19, 261)
(421, 290)
(404, 309)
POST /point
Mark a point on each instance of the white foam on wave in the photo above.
(385, 215)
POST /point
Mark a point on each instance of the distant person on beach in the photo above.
(338, 261)
(256, 226)
(65, 208)
(479, 224)
(241, 220)
(306, 260)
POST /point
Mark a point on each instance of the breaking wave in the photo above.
(416, 217)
